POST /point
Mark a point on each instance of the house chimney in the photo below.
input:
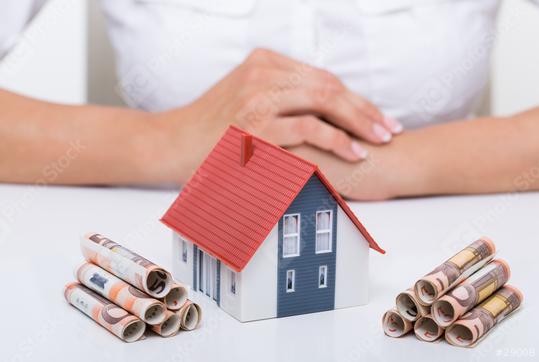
(246, 148)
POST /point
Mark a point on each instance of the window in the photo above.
(184, 251)
(290, 281)
(323, 231)
(323, 276)
(291, 235)
(232, 279)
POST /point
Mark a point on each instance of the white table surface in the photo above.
(39, 236)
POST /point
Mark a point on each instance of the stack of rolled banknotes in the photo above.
(124, 292)
(462, 299)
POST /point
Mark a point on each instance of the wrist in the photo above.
(177, 143)
(404, 168)
(145, 140)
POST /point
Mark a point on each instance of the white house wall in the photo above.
(352, 275)
(182, 272)
(230, 303)
(259, 281)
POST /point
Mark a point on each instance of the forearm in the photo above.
(57, 144)
(479, 156)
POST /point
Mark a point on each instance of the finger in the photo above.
(331, 86)
(393, 124)
(372, 112)
(335, 108)
(296, 130)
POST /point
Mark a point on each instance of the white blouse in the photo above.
(14, 16)
(421, 61)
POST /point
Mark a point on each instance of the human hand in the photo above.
(290, 103)
(395, 170)
(364, 181)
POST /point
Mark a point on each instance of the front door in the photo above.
(208, 275)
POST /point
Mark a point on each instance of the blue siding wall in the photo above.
(307, 297)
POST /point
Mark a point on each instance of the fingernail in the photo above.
(359, 151)
(394, 125)
(381, 133)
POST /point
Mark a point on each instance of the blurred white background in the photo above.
(65, 56)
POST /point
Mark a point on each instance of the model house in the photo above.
(263, 233)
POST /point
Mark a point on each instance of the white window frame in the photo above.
(324, 231)
(184, 250)
(298, 235)
(323, 269)
(233, 282)
(293, 273)
(208, 280)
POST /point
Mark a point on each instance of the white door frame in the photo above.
(207, 270)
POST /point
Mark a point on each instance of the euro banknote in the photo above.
(426, 329)
(125, 264)
(115, 319)
(409, 307)
(148, 309)
(190, 315)
(176, 297)
(394, 325)
(472, 326)
(470, 292)
(170, 325)
(459, 267)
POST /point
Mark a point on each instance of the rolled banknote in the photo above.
(426, 329)
(115, 319)
(148, 309)
(470, 292)
(469, 329)
(126, 265)
(409, 307)
(459, 267)
(190, 315)
(394, 324)
(170, 326)
(176, 297)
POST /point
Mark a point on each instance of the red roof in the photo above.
(228, 209)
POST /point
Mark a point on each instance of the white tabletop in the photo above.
(39, 235)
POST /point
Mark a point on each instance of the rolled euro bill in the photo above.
(148, 309)
(426, 329)
(459, 267)
(115, 319)
(409, 307)
(470, 292)
(469, 329)
(170, 325)
(176, 297)
(190, 315)
(126, 265)
(394, 324)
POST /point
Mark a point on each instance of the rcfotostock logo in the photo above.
(137, 85)
(432, 97)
